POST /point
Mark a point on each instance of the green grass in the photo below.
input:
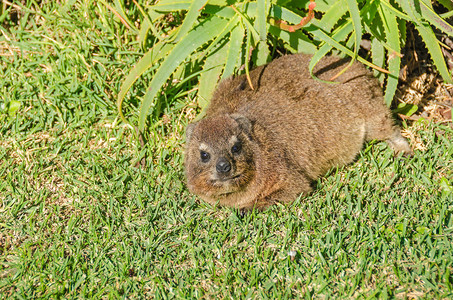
(78, 219)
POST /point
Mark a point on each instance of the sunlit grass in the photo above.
(80, 218)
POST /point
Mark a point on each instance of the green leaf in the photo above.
(373, 24)
(245, 18)
(233, 58)
(201, 34)
(212, 69)
(429, 38)
(355, 16)
(369, 11)
(395, 11)
(325, 5)
(171, 5)
(406, 109)
(13, 107)
(226, 30)
(296, 42)
(376, 35)
(340, 34)
(433, 18)
(219, 2)
(261, 19)
(422, 230)
(447, 4)
(378, 57)
(281, 13)
(262, 53)
(333, 16)
(320, 34)
(393, 39)
(190, 18)
(447, 15)
(446, 186)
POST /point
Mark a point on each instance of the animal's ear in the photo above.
(189, 131)
(244, 123)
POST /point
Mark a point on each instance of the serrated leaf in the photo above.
(339, 34)
(262, 53)
(333, 16)
(356, 21)
(433, 18)
(325, 5)
(296, 42)
(210, 76)
(171, 4)
(219, 2)
(234, 51)
(284, 14)
(373, 24)
(378, 57)
(394, 62)
(369, 11)
(190, 18)
(447, 4)
(320, 34)
(227, 29)
(201, 34)
(261, 17)
(246, 19)
(212, 69)
(377, 35)
(395, 11)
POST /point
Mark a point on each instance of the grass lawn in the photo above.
(79, 219)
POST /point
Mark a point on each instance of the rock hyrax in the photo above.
(257, 147)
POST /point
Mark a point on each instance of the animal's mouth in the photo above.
(226, 193)
(230, 178)
(227, 186)
(225, 181)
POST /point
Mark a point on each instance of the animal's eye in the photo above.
(236, 148)
(205, 156)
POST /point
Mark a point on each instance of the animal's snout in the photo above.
(223, 165)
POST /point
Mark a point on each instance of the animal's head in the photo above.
(219, 155)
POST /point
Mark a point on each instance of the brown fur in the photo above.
(291, 129)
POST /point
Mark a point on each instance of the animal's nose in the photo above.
(223, 165)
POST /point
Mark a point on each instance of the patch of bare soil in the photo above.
(420, 83)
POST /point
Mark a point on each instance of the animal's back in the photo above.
(319, 124)
(289, 77)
